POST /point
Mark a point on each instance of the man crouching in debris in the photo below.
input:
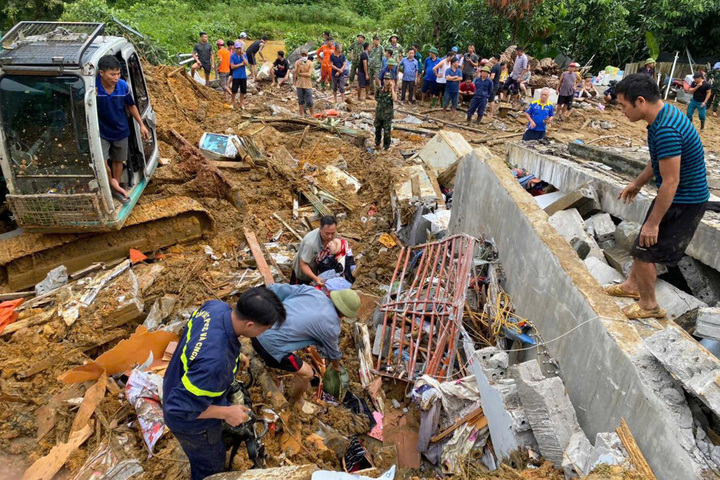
(677, 162)
(202, 370)
(384, 111)
(312, 319)
(305, 266)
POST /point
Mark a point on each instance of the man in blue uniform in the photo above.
(677, 164)
(312, 319)
(202, 369)
(539, 114)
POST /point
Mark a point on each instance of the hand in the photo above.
(649, 234)
(702, 105)
(319, 282)
(244, 361)
(532, 124)
(145, 132)
(236, 414)
(629, 193)
(336, 365)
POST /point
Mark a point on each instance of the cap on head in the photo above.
(649, 60)
(455, 49)
(573, 64)
(346, 301)
(243, 35)
(220, 43)
(360, 35)
(375, 37)
(716, 66)
(394, 35)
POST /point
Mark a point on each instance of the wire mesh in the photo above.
(56, 211)
(48, 43)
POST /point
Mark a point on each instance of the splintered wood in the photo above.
(424, 308)
(636, 456)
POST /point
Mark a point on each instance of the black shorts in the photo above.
(566, 100)
(279, 73)
(429, 86)
(440, 89)
(491, 97)
(533, 135)
(289, 363)
(363, 80)
(251, 58)
(509, 83)
(239, 83)
(676, 230)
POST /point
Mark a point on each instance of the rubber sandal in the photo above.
(124, 200)
(617, 291)
(634, 312)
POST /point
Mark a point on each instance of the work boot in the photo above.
(469, 120)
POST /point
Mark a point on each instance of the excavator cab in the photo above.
(50, 148)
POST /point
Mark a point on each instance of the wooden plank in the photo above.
(415, 186)
(15, 295)
(241, 167)
(304, 134)
(636, 456)
(286, 225)
(33, 321)
(257, 254)
(436, 186)
(470, 417)
(93, 397)
(46, 467)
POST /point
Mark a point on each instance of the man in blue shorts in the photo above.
(677, 163)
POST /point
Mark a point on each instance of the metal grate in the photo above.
(48, 43)
(424, 308)
(56, 211)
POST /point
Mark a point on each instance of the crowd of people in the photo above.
(393, 73)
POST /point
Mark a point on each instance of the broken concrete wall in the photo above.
(567, 175)
(598, 349)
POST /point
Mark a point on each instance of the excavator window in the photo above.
(43, 119)
(138, 83)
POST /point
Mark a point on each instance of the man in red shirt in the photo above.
(467, 90)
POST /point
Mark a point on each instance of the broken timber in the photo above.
(257, 253)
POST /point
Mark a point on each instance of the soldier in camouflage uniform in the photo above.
(375, 64)
(354, 55)
(384, 112)
(398, 50)
(714, 79)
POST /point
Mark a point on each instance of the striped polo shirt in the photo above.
(672, 135)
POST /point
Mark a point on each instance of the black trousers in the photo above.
(408, 86)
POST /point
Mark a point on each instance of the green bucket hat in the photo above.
(347, 301)
(485, 69)
(650, 60)
(392, 62)
(433, 50)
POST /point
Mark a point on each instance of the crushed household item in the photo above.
(143, 390)
(56, 278)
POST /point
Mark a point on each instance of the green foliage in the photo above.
(652, 44)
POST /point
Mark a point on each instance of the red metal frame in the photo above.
(436, 295)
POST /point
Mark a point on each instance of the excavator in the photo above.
(52, 163)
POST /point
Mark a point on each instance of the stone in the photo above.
(548, 409)
(578, 457)
(625, 234)
(581, 247)
(704, 282)
(548, 199)
(688, 362)
(584, 199)
(674, 301)
(55, 278)
(707, 323)
(570, 225)
(603, 273)
(609, 450)
(602, 226)
(619, 259)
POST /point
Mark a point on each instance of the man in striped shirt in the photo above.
(677, 162)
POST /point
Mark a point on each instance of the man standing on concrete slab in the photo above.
(677, 161)
(539, 114)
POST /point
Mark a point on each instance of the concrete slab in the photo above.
(704, 282)
(567, 175)
(578, 456)
(443, 150)
(707, 323)
(583, 198)
(625, 234)
(601, 226)
(600, 353)
(689, 362)
(548, 199)
(570, 225)
(603, 273)
(548, 409)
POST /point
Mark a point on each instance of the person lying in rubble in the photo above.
(313, 318)
(336, 264)
(677, 163)
(198, 379)
(310, 252)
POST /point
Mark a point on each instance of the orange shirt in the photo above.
(327, 52)
(224, 56)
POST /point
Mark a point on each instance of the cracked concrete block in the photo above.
(674, 301)
(579, 456)
(625, 234)
(548, 408)
(602, 227)
(570, 225)
(603, 273)
(609, 450)
(687, 361)
(707, 323)
(618, 258)
(704, 282)
(584, 198)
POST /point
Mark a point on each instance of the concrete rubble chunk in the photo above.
(578, 457)
(608, 450)
(570, 225)
(602, 227)
(625, 234)
(603, 273)
(584, 199)
(704, 282)
(56, 278)
(507, 421)
(618, 258)
(707, 323)
(687, 361)
(674, 301)
(548, 408)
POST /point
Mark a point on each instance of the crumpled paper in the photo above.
(143, 391)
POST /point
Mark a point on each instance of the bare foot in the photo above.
(116, 187)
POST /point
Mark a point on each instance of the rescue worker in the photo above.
(376, 60)
(202, 370)
(312, 319)
(384, 110)
(354, 56)
(398, 52)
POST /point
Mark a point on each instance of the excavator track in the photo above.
(25, 258)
